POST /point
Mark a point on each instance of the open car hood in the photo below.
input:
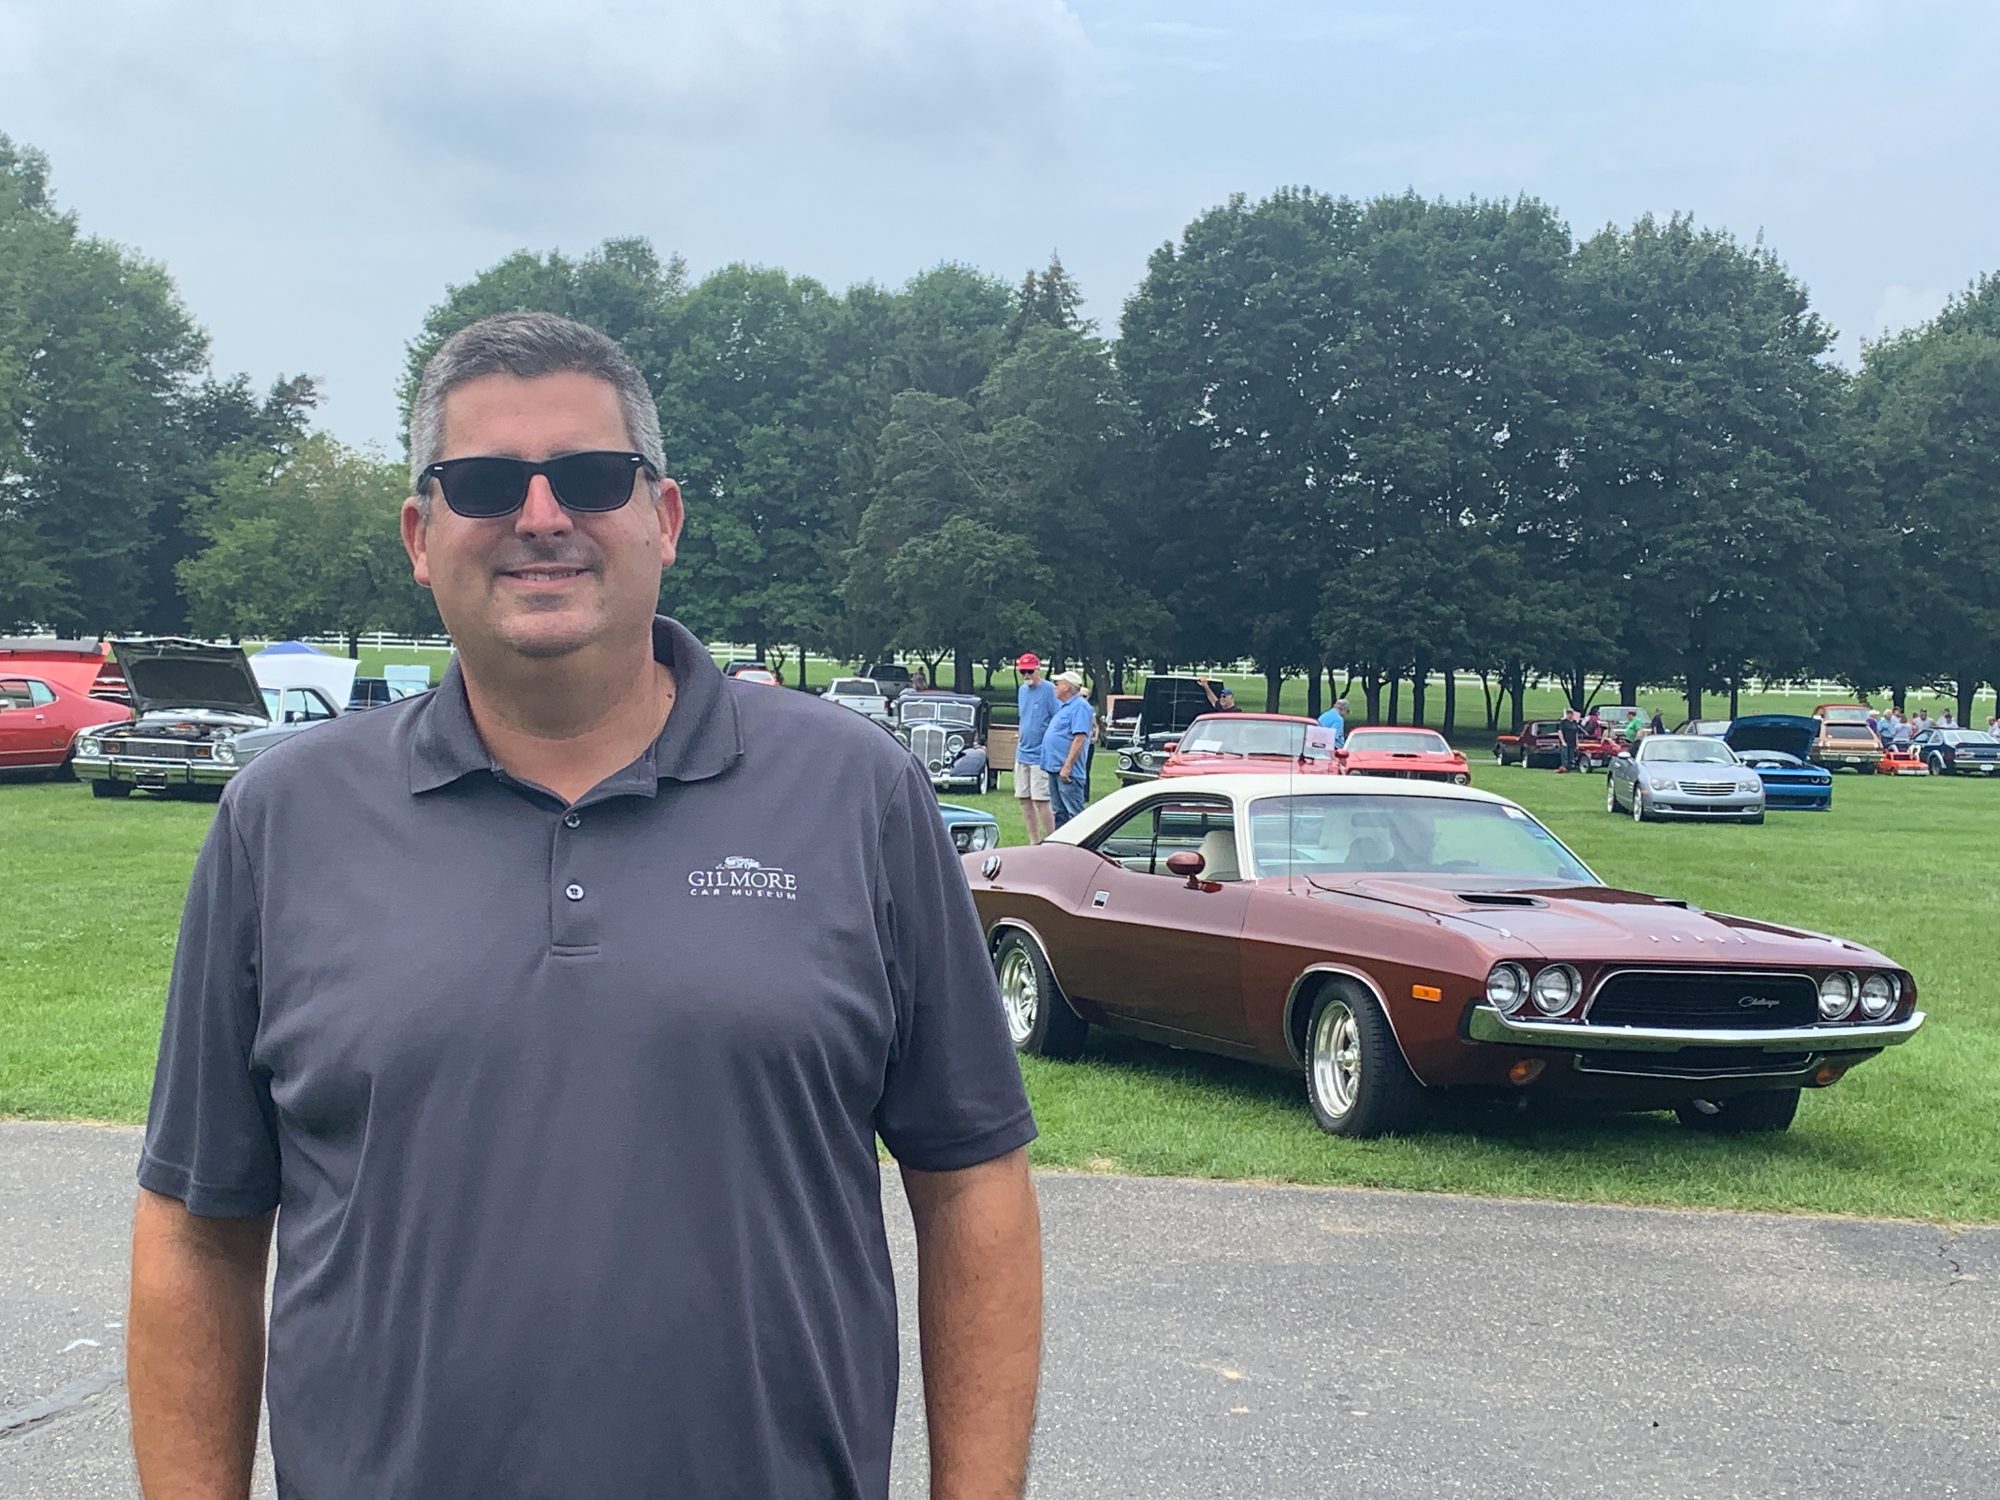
(167, 672)
(1793, 734)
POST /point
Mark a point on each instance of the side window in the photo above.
(40, 693)
(306, 705)
(1146, 837)
(14, 693)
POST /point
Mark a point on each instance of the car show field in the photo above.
(1902, 866)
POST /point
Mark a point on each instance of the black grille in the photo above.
(1694, 1062)
(1716, 1000)
(138, 749)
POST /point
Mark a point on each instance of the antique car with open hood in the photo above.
(1171, 702)
(200, 714)
(1386, 939)
(1778, 747)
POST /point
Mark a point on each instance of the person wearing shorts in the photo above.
(1037, 704)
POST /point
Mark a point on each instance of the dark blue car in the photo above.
(1958, 752)
(1775, 746)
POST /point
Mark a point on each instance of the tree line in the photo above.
(1367, 443)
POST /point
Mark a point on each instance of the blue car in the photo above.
(971, 829)
(1958, 752)
(1775, 746)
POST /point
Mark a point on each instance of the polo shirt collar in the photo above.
(702, 737)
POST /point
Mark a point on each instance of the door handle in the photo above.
(1098, 900)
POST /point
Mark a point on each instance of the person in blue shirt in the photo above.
(1335, 718)
(1066, 748)
(1036, 701)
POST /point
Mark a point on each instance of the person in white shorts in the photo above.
(1037, 703)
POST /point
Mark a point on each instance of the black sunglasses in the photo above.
(483, 488)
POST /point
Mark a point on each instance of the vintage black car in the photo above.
(948, 732)
(1169, 705)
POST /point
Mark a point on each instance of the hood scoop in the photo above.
(1499, 898)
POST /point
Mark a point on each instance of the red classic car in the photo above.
(1540, 744)
(1283, 744)
(45, 699)
(1422, 754)
(1387, 938)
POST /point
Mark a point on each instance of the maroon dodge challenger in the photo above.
(1387, 939)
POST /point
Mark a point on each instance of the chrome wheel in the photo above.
(1610, 794)
(1638, 804)
(1020, 995)
(1336, 1058)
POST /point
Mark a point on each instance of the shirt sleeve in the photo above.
(211, 1135)
(952, 1095)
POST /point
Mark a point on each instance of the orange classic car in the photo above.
(1422, 754)
(1384, 940)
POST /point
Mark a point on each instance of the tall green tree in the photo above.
(308, 547)
(97, 361)
(1928, 403)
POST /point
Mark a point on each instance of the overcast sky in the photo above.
(314, 174)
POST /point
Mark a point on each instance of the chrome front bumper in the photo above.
(152, 774)
(1487, 1025)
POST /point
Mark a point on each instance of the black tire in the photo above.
(1763, 1113)
(1499, 756)
(1753, 822)
(1937, 765)
(110, 789)
(1038, 1022)
(1382, 1095)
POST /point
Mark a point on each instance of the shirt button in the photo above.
(572, 820)
(574, 892)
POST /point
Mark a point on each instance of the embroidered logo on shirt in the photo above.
(740, 875)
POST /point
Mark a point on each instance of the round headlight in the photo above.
(1124, 760)
(1506, 986)
(955, 744)
(1148, 761)
(85, 745)
(1836, 997)
(1556, 989)
(1878, 995)
(224, 753)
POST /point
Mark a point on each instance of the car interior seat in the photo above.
(1218, 855)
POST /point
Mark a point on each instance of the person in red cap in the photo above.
(1037, 703)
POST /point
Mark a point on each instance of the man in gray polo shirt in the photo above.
(555, 1015)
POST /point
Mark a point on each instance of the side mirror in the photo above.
(1188, 864)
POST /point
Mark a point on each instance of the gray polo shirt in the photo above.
(570, 1112)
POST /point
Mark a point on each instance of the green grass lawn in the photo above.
(94, 890)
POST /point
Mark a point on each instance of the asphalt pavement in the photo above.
(1213, 1340)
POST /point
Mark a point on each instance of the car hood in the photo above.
(172, 673)
(1793, 734)
(952, 812)
(1601, 923)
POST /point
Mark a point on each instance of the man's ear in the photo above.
(672, 512)
(415, 541)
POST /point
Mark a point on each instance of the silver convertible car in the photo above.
(1683, 776)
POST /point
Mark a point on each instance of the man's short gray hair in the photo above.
(526, 345)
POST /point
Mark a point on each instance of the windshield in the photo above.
(1335, 835)
(937, 713)
(1855, 714)
(1398, 739)
(1968, 737)
(854, 687)
(1245, 737)
(1686, 751)
(1859, 734)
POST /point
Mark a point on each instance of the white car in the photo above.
(862, 694)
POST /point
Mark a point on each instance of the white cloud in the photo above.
(1904, 307)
